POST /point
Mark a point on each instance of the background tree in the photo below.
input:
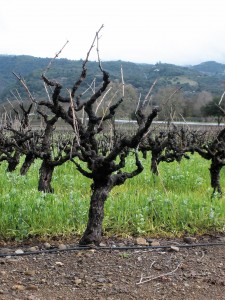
(212, 109)
(193, 103)
(172, 102)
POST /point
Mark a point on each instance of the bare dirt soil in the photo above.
(155, 273)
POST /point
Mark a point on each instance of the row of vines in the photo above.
(94, 145)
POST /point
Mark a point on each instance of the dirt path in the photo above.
(183, 273)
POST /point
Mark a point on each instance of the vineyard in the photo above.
(100, 178)
(175, 202)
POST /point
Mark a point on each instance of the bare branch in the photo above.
(112, 110)
(19, 95)
(83, 73)
(52, 60)
(19, 100)
(97, 37)
(22, 81)
(75, 124)
(137, 108)
(120, 178)
(148, 278)
(149, 92)
(11, 105)
(221, 98)
(81, 170)
(45, 86)
(170, 96)
(100, 102)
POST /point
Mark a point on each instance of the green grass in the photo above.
(176, 201)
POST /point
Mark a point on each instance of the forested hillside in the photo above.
(211, 68)
(207, 77)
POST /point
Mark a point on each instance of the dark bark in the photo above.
(154, 164)
(29, 159)
(93, 232)
(214, 151)
(144, 153)
(215, 169)
(45, 177)
(103, 182)
(13, 161)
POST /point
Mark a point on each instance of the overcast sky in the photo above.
(147, 31)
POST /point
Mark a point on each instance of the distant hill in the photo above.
(207, 76)
(211, 68)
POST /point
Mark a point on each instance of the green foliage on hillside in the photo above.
(193, 80)
(139, 75)
(211, 68)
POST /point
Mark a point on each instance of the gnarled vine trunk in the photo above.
(29, 159)
(93, 232)
(215, 169)
(45, 177)
(13, 161)
(154, 163)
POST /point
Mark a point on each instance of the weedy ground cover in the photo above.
(177, 201)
